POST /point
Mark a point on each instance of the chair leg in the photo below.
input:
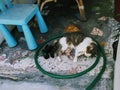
(41, 23)
(29, 37)
(19, 27)
(8, 37)
(81, 9)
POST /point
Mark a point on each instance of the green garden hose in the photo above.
(99, 54)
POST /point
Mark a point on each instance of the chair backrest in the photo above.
(4, 4)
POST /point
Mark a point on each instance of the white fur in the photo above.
(63, 44)
(82, 48)
(79, 49)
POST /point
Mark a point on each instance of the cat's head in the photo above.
(91, 49)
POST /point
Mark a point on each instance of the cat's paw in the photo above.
(59, 59)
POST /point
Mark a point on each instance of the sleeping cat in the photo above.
(81, 44)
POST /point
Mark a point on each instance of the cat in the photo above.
(77, 41)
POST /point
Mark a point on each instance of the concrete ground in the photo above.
(10, 85)
(58, 17)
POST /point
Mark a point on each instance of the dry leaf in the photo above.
(72, 28)
(102, 43)
(103, 18)
(97, 31)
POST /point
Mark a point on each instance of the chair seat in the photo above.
(18, 13)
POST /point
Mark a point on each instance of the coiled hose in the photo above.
(100, 54)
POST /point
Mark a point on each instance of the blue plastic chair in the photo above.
(20, 15)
